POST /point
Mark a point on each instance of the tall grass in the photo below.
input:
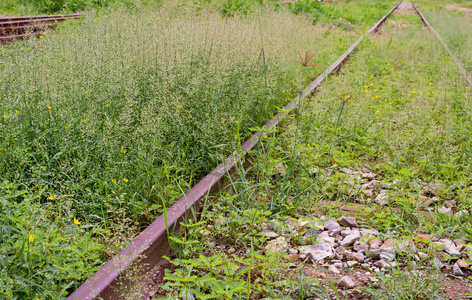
(105, 121)
(455, 29)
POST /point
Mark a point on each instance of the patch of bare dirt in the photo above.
(467, 11)
(405, 8)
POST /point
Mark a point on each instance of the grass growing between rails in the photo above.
(454, 28)
(407, 127)
(104, 123)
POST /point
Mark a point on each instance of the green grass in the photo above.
(453, 27)
(110, 118)
(407, 119)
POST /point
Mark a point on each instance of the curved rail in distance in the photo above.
(456, 60)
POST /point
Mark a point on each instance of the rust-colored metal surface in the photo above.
(138, 269)
(26, 26)
(467, 75)
(18, 18)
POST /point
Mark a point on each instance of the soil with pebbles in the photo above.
(349, 254)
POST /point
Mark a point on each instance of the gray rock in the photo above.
(318, 252)
(357, 256)
(385, 264)
(460, 242)
(326, 240)
(368, 232)
(370, 176)
(335, 232)
(292, 251)
(387, 255)
(445, 210)
(338, 265)
(374, 251)
(346, 232)
(348, 222)
(334, 269)
(311, 232)
(331, 225)
(351, 263)
(350, 239)
(270, 234)
(360, 247)
(382, 197)
(436, 263)
(276, 245)
(457, 270)
(449, 247)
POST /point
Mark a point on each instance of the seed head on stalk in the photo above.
(304, 61)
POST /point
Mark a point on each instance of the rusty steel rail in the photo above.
(12, 28)
(138, 267)
(464, 72)
(19, 18)
(34, 21)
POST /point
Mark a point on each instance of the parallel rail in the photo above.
(12, 28)
(464, 72)
(138, 268)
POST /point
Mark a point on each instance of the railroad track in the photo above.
(141, 264)
(12, 28)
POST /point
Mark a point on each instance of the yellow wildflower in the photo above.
(49, 107)
(51, 197)
(117, 123)
(372, 83)
(106, 122)
(123, 151)
(76, 222)
(376, 111)
(16, 111)
(179, 106)
(125, 179)
(107, 105)
(31, 238)
(42, 167)
(113, 180)
(85, 120)
(5, 116)
(40, 36)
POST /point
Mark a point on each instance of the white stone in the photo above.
(276, 245)
(270, 234)
(318, 252)
(382, 198)
(334, 269)
(331, 225)
(449, 247)
(457, 270)
(350, 239)
(384, 264)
